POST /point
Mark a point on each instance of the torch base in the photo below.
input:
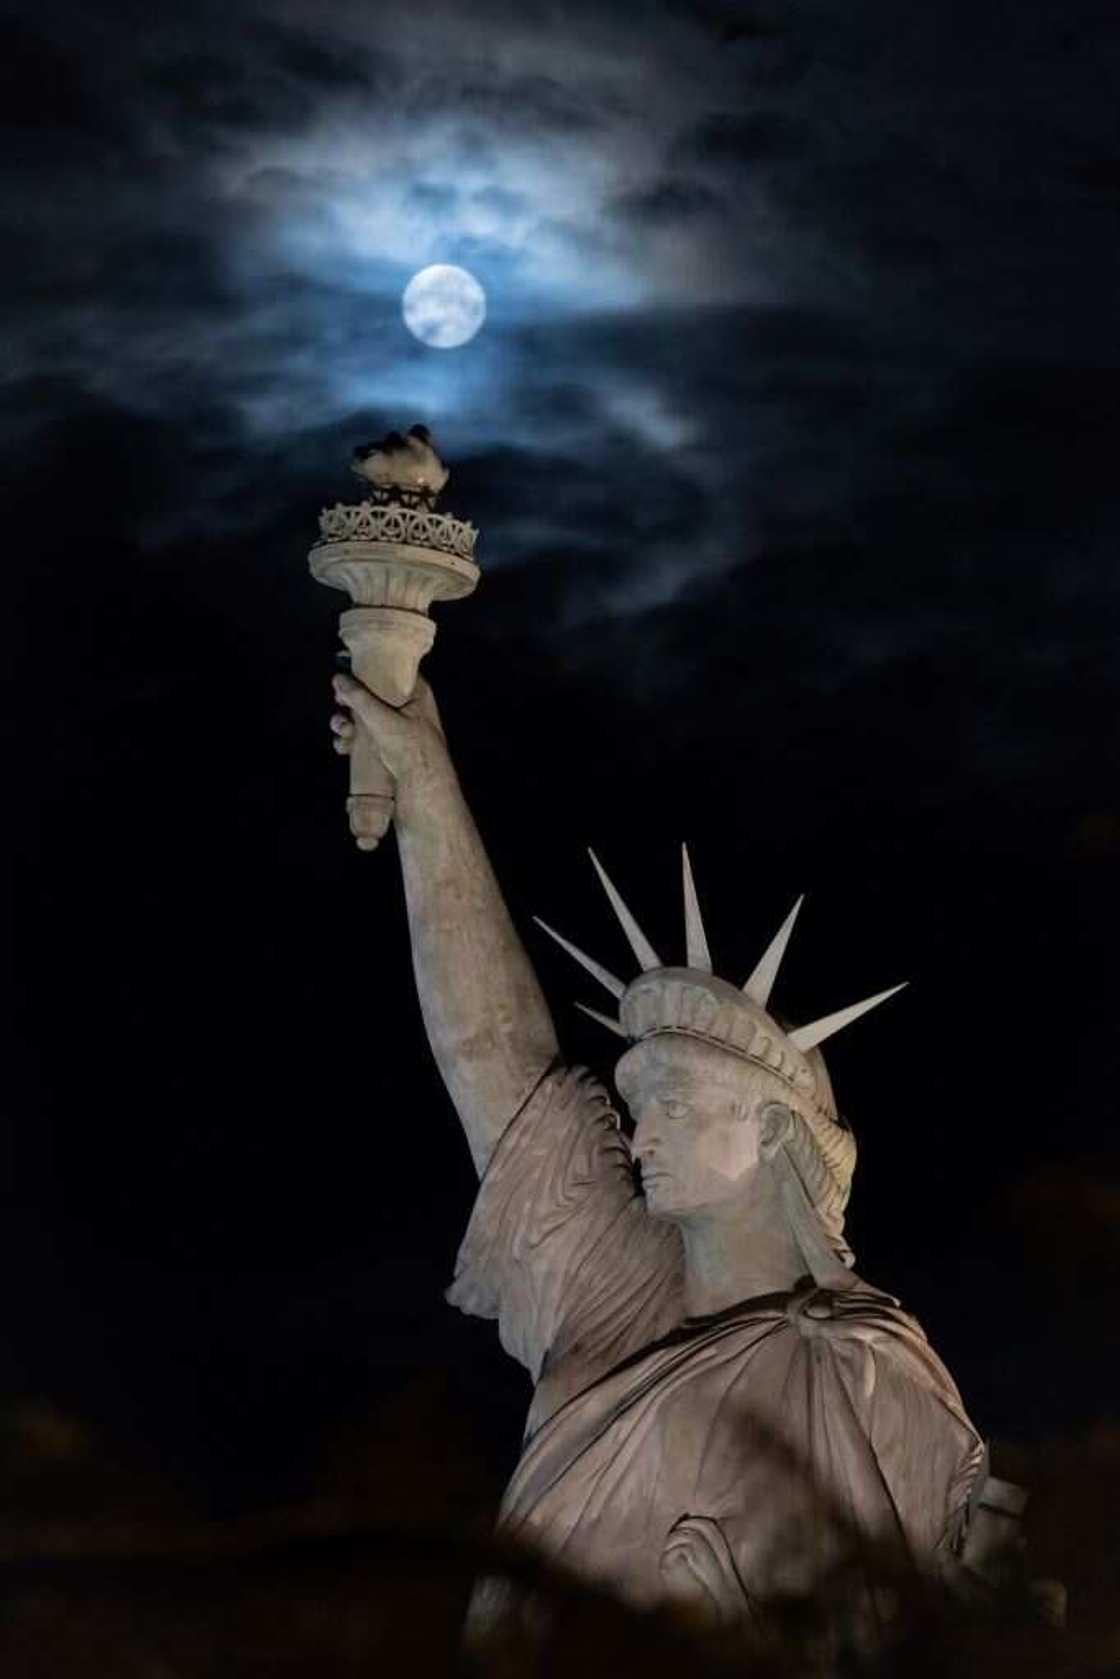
(392, 574)
(385, 647)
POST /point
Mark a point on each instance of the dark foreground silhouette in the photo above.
(322, 1589)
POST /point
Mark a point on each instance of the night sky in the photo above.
(791, 439)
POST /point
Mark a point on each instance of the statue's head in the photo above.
(720, 1091)
(756, 1102)
(706, 1123)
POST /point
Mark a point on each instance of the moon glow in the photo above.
(443, 306)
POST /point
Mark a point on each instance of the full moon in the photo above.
(443, 306)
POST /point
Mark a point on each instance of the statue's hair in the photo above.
(822, 1150)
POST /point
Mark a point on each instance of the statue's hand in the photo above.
(409, 741)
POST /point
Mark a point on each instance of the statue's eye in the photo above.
(674, 1109)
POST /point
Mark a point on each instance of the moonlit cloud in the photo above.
(742, 258)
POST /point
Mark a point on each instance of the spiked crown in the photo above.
(693, 1002)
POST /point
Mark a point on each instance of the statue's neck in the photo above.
(739, 1250)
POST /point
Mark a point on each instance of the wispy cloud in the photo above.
(731, 259)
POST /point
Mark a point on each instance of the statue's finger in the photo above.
(374, 713)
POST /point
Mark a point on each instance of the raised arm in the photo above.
(486, 1017)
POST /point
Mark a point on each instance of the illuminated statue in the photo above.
(721, 1405)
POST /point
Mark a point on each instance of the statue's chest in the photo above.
(709, 1432)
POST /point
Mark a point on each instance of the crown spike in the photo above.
(595, 969)
(696, 940)
(805, 1037)
(603, 1019)
(639, 944)
(761, 982)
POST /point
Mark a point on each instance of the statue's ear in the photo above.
(774, 1123)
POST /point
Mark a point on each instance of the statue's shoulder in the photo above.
(860, 1313)
(569, 1120)
(572, 1096)
(856, 1306)
(574, 1085)
(888, 1338)
(563, 1093)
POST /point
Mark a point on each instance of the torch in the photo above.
(393, 554)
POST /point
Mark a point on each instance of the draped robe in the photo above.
(716, 1462)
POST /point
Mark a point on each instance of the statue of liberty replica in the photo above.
(722, 1405)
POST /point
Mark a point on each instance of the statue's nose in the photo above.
(646, 1139)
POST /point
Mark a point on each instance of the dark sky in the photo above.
(791, 438)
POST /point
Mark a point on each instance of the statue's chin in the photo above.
(661, 1196)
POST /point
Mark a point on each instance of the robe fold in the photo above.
(719, 1462)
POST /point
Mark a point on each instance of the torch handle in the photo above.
(370, 804)
(385, 645)
(372, 795)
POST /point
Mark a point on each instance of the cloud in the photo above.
(742, 275)
(362, 155)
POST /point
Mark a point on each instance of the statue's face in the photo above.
(705, 1122)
